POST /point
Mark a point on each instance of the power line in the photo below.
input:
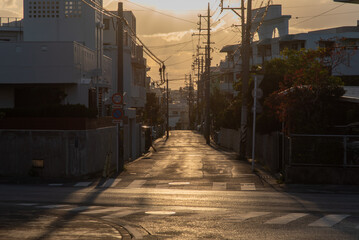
(321, 14)
(173, 64)
(106, 12)
(170, 45)
(164, 14)
(179, 50)
(332, 14)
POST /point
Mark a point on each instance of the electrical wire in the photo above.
(332, 14)
(164, 14)
(170, 45)
(106, 12)
(177, 63)
(319, 15)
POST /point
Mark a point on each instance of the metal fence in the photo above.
(324, 150)
(12, 22)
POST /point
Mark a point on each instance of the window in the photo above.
(44, 5)
(73, 8)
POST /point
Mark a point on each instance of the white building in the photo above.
(58, 44)
(273, 37)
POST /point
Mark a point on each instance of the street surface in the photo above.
(184, 190)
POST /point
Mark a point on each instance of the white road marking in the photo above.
(82, 184)
(53, 206)
(329, 220)
(136, 184)
(112, 182)
(245, 216)
(248, 187)
(137, 234)
(286, 219)
(179, 183)
(27, 204)
(121, 214)
(219, 186)
(104, 210)
(56, 184)
(160, 213)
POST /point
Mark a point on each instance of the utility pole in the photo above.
(208, 80)
(245, 78)
(198, 90)
(245, 52)
(120, 160)
(205, 79)
(167, 113)
(190, 101)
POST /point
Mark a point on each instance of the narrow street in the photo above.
(183, 190)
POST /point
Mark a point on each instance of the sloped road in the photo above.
(184, 190)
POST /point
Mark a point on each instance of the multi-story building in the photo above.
(58, 44)
(57, 48)
(273, 37)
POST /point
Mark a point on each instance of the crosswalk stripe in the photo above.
(248, 187)
(329, 220)
(104, 210)
(136, 184)
(120, 214)
(219, 186)
(82, 184)
(245, 216)
(112, 182)
(286, 219)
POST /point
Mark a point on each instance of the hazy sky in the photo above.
(169, 35)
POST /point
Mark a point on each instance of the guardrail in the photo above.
(12, 22)
(324, 150)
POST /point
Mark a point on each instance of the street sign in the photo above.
(117, 114)
(117, 99)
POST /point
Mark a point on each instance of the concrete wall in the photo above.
(268, 147)
(229, 138)
(322, 175)
(64, 153)
(63, 21)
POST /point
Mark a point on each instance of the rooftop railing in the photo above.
(12, 22)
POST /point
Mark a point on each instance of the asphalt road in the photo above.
(184, 190)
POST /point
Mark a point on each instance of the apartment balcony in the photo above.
(226, 65)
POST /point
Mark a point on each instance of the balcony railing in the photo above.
(11, 22)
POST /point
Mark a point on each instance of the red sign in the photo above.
(117, 98)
